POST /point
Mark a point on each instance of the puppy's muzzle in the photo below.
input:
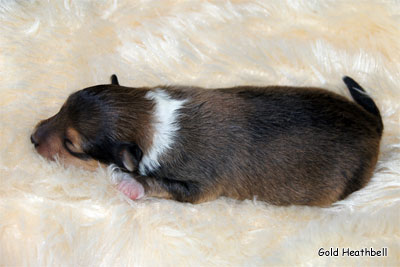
(34, 140)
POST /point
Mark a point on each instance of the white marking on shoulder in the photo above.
(165, 125)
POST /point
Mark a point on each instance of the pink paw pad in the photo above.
(131, 188)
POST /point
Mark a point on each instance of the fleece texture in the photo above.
(53, 216)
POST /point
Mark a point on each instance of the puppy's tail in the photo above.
(114, 79)
(363, 99)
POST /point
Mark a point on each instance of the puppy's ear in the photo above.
(127, 156)
(114, 79)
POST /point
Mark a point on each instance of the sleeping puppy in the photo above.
(282, 145)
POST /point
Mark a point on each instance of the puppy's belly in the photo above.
(131, 188)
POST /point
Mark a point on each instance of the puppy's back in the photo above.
(284, 145)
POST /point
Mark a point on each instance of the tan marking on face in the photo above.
(50, 147)
(76, 140)
(53, 148)
(89, 164)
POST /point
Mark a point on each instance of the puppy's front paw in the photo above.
(131, 188)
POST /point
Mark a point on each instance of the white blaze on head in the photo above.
(165, 126)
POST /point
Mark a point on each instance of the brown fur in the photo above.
(284, 145)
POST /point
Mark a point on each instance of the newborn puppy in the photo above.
(283, 145)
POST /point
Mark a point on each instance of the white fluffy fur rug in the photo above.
(51, 216)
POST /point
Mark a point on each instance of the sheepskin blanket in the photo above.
(52, 216)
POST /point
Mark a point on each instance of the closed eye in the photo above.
(73, 150)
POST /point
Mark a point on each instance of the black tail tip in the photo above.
(362, 98)
(351, 83)
(114, 79)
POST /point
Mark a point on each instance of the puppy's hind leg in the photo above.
(131, 188)
(182, 191)
(137, 186)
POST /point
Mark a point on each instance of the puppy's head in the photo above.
(105, 123)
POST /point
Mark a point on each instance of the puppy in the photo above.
(283, 145)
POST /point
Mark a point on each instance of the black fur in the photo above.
(285, 145)
(288, 139)
(362, 98)
(114, 79)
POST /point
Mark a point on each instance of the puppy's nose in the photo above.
(34, 141)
